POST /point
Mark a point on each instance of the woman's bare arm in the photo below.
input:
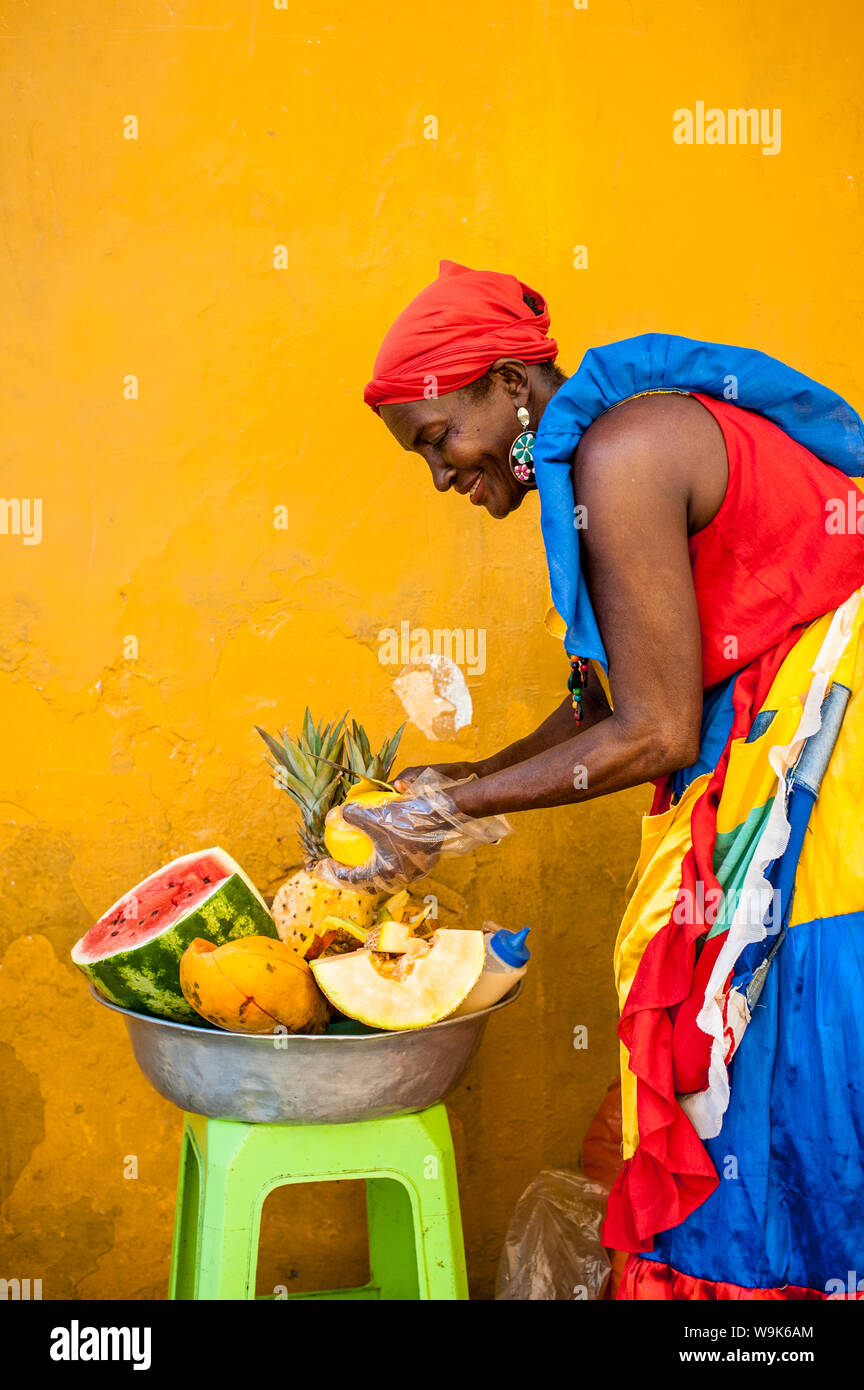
(559, 727)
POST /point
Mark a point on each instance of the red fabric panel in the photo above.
(767, 561)
(646, 1279)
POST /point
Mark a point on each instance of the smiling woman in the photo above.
(726, 620)
(467, 436)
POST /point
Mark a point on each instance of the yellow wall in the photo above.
(153, 257)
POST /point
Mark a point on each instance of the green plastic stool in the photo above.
(227, 1168)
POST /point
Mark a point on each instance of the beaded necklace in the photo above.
(576, 683)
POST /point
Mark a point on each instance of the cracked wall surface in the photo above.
(228, 544)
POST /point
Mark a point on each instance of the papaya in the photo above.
(252, 985)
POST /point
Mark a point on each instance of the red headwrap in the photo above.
(453, 331)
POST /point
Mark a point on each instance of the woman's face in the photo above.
(465, 439)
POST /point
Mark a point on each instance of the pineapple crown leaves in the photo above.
(360, 758)
(312, 784)
(315, 786)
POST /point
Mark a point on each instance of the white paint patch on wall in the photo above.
(435, 696)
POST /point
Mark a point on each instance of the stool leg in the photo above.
(441, 1249)
(230, 1215)
(392, 1247)
(185, 1247)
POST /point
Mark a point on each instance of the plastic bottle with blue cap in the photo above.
(507, 959)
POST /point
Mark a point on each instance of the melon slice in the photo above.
(422, 987)
(132, 954)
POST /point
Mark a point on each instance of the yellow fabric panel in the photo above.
(629, 1115)
(750, 780)
(795, 675)
(830, 877)
(665, 841)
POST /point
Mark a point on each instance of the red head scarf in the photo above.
(453, 331)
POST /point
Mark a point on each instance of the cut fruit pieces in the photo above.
(396, 905)
(335, 936)
(415, 922)
(431, 980)
(334, 923)
(394, 937)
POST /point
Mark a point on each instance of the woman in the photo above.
(700, 521)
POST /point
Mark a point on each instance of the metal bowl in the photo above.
(348, 1073)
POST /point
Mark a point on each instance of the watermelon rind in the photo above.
(146, 978)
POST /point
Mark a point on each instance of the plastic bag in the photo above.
(412, 833)
(553, 1248)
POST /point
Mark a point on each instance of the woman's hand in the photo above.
(455, 772)
(407, 836)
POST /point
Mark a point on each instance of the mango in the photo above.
(345, 843)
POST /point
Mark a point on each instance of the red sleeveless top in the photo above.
(783, 549)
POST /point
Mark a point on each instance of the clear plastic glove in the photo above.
(410, 835)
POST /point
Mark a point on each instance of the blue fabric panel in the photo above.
(760, 724)
(781, 874)
(791, 1153)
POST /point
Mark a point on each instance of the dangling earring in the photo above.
(522, 450)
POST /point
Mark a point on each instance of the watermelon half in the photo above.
(132, 954)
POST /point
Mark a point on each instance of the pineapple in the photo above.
(305, 900)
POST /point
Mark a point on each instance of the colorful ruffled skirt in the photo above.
(740, 972)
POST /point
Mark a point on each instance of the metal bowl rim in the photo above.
(509, 998)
